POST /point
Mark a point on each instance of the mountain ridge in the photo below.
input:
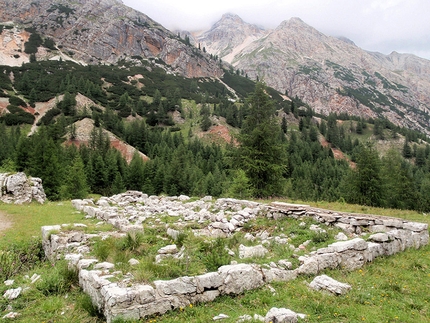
(107, 31)
(328, 73)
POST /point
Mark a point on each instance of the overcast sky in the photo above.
(375, 25)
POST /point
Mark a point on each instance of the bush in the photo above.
(9, 264)
(16, 101)
(17, 116)
(58, 280)
(215, 254)
(20, 257)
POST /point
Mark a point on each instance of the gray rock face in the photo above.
(109, 31)
(18, 189)
(327, 73)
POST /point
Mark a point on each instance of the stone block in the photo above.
(329, 284)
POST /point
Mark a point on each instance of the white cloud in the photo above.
(376, 25)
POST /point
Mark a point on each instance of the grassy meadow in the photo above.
(391, 289)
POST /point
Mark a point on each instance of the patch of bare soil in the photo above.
(338, 154)
(5, 222)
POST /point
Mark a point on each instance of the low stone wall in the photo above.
(115, 295)
(18, 189)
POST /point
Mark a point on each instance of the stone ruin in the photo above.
(20, 189)
(115, 294)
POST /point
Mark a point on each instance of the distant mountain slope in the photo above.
(107, 31)
(330, 74)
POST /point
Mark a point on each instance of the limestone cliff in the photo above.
(96, 31)
(330, 74)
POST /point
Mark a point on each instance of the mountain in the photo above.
(94, 31)
(329, 74)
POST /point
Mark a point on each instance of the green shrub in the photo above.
(215, 254)
(20, 257)
(58, 280)
(9, 264)
(102, 249)
(16, 101)
(133, 240)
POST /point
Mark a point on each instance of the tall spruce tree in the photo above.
(261, 153)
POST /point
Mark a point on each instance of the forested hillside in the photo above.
(274, 146)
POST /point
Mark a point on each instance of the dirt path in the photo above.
(5, 222)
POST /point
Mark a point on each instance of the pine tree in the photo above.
(261, 153)
(76, 186)
(363, 185)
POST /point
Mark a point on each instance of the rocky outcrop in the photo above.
(107, 31)
(116, 295)
(19, 189)
(330, 74)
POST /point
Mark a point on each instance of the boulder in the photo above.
(18, 189)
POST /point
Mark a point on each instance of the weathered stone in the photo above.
(104, 265)
(415, 226)
(183, 285)
(220, 317)
(393, 223)
(280, 315)
(327, 283)
(354, 244)
(250, 252)
(170, 249)
(133, 262)
(379, 237)
(341, 237)
(239, 278)
(11, 294)
(279, 275)
(208, 281)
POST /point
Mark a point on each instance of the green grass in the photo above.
(28, 219)
(391, 289)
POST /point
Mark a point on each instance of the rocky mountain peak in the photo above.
(231, 17)
(228, 35)
(330, 74)
(107, 31)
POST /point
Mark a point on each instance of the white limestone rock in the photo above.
(11, 294)
(329, 284)
(252, 252)
(239, 278)
(280, 315)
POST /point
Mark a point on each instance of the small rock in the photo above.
(221, 317)
(280, 315)
(104, 265)
(285, 264)
(244, 318)
(9, 282)
(341, 237)
(133, 262)
(11, 315)
(12, 293)
(327, 283)
(250, 252)
(34, 278)
(258, 318)
(170, 249)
